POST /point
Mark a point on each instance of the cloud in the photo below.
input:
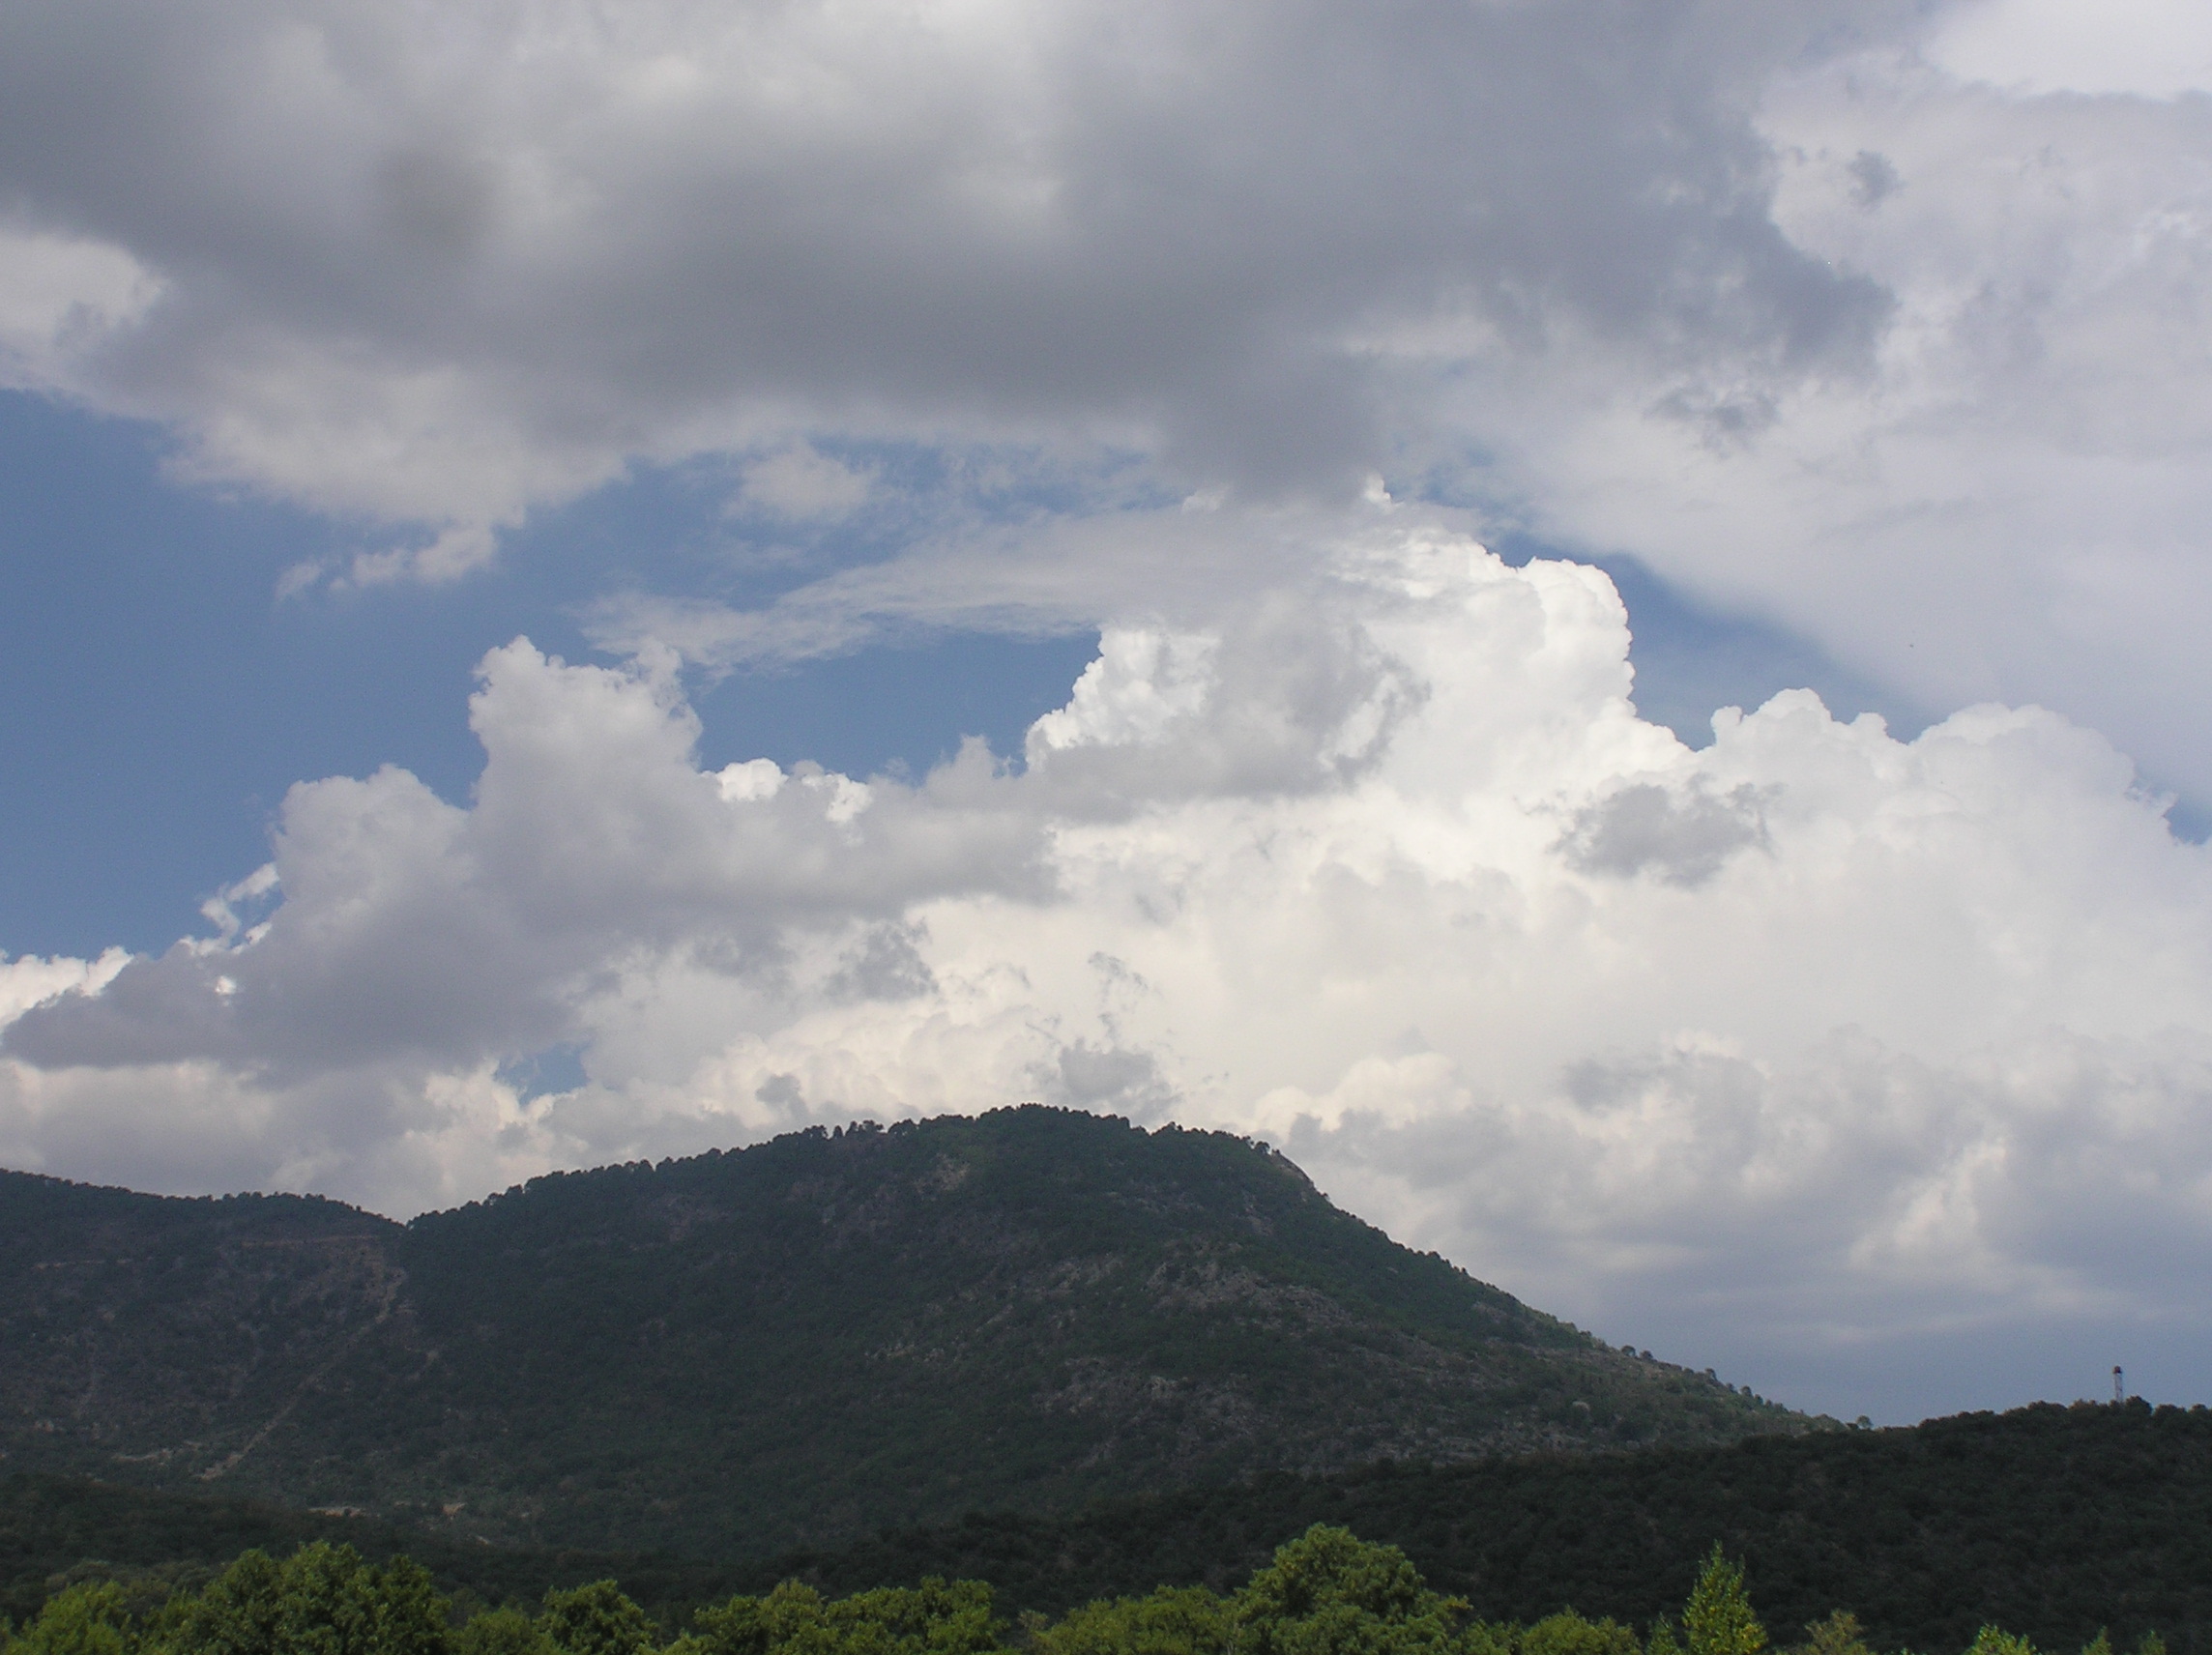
(1866, 321)
(2008, 504)
(798, 482)
(2153, 47)
(60, 297)
(1643, 827)
(28, 980)
(441, 271)
(1809, 1038)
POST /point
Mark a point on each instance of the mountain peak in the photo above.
(809, 1338)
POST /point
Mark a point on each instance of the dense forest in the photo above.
(794, 1344)
(2053, 1521)
(1326, 1592)
(57, 1530)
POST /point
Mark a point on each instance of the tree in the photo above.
(596, 1619)
(1331, 1593)
(1718, 1620)
(240, 1613)
(502, 1631)
(1841, 1634)
(1570, 1634)
(410, 1615)
(792, 1617)
(322, 1600)
(325, 1603)
(736, 1626)
(932, 1618)
(89, 1618)
(1174, 1620)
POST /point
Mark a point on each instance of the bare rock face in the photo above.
(790, 1344)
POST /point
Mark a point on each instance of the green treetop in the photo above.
(932, 1618)
(1329, 1593)
(1718, 1620)
(89, 1618)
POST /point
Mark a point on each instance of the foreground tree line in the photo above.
(1326, 1593)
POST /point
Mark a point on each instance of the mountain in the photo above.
(790, 1344)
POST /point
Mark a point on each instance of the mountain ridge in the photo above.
(789, 1344)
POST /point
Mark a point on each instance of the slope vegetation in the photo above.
(790, 1344)
(2051, 1522)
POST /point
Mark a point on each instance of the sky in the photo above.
(1587, 614)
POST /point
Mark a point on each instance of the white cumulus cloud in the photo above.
(2008, 503)
(1811, 1043)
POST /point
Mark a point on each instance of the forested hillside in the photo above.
(55, 1531)
(791, 1344)
(2051, 1521)
(1323, 1592)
